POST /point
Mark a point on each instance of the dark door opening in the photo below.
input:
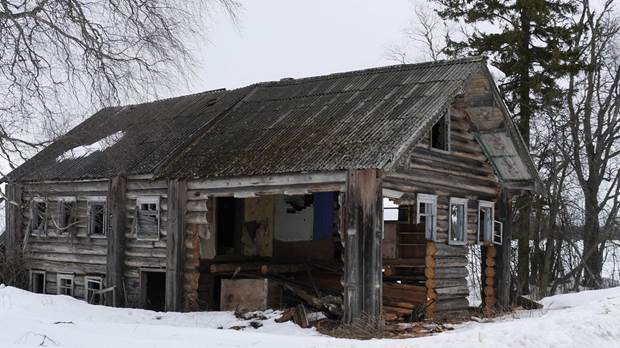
(228, 225)
(37, 282)
(154, 290)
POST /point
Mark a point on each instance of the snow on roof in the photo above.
(87, 150)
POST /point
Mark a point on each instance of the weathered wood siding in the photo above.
(82, 254)
(75, 253)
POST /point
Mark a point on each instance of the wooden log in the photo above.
(446, 250)
(451, 261)
(489, 291)
(452, 291)
(489, 271)
(363, 209)
(446, 273)
(451, 304)
(491, 252)
(116, 239)
(283, 268)
(235, 267)
(175, 251)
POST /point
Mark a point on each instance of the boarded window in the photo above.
(37, 282)
(147, 218)
(93, 287)
(97, 218)
(440, 134)
(426, 213)
(39, 216)
(457, 226)
(67, 214)
(65, 284)
(485, 221)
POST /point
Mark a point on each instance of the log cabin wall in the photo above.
(81, 254)
(461, 172)
(72, 252)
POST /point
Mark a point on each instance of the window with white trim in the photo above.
(37, 282)
(147, 218)
(93, 285)
(426, 213)
(97, 221)
(498, 233)
(39, 217)
(65, 284)
(457, 224)
(486, 218)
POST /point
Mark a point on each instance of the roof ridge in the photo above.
(386, 68)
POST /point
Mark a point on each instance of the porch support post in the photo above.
(117, 205)
(177, 191)
(363, 220)
(13, 219)
(503, 279)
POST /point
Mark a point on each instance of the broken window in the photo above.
(37, 282)
(97, 218)
(147, 218)
(426, 212)
(39, 216)
(390, 210)
(485, 221)
(94, 284)
(440, 134)
(498, 233)
(67, 214)
(65, 284)
(457, 226)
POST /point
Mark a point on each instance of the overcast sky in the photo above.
(284, 38)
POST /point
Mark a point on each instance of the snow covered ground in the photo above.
(29, 320)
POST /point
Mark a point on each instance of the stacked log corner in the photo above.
(117, 198)
(489, 300)
(446, 280)
(363, 228)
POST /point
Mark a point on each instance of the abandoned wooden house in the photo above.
(263, 195)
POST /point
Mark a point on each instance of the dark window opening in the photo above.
(39, 216)
(65, 284)
(147, 218)
(96, 216)
(440, 134)
(93, 287)
(37, 282)
(228, 224)
(154, 290)
(66, 215)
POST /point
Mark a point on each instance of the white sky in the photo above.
(284, 38)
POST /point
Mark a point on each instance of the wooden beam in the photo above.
(13, 219)
(117, 206)
(363, 209)
(502, 269)
(177, 198)
(238, 183)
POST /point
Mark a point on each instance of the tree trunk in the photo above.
(592, 255)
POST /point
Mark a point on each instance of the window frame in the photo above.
(446, 122)
(30, 282)
(486, 238)
(501, 233)
(59, 286)
(64, 226)
(463, 202)
(427, 199)
(90, 201)
(35, 218)
(94, 279)
(148, 200)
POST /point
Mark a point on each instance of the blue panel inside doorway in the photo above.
(323, 215)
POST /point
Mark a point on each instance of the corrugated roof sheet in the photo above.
(352, 120)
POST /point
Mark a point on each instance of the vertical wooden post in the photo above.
(13, 219)
(117, 205)
(503, 279)
(363, 288)
(177, 191)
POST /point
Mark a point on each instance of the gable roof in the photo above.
(353, 120)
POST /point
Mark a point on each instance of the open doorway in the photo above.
(153, 290)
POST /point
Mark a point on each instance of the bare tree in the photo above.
(593, 130)
(87, 54)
